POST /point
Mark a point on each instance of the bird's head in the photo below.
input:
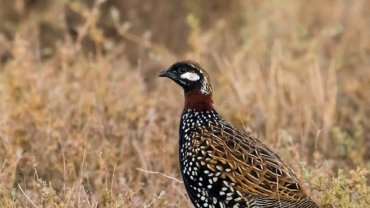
(190, 76)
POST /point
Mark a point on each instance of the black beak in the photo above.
(167, 73)
(163, 73)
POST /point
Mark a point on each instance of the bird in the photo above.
(223, 166)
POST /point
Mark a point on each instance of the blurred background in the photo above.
(85, 122)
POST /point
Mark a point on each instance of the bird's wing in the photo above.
(251, 166)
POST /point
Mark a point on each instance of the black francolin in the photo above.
(222, 166)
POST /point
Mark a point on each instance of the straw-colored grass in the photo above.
(85, 122)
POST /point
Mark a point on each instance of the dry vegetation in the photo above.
(84, 116)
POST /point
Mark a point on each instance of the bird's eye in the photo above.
(182, 70)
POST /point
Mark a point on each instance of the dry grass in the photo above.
(85, 122)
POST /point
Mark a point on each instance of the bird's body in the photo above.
(222, 166)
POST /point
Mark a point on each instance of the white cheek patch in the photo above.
(190, 76)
